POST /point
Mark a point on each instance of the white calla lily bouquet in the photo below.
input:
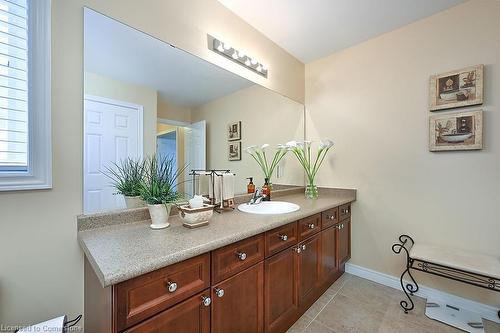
(302, 150)
(259, 155)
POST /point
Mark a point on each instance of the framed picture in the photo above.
(234, 151)
(457, 88)
(234, 131)
(456, 131)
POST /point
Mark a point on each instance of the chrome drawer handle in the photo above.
(172, 286)
(241, 255)
(331, 217)
(345, 211)
(297, 249)
(311, 226)
(206, 301)
(303, 247)
(283, 237)
(219, 292)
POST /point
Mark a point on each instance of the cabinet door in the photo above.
(281, 297)
(309, 268)
(329, 267)
(238, 302)
(190, 316)
(344, 242)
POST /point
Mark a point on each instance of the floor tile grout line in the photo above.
(331, 299)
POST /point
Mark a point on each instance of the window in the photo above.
(25, 145)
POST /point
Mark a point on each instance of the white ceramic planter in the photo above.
(159, 216)
(134, 202)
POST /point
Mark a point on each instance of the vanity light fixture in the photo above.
(240, 57)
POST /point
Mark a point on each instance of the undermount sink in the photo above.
(269, 207)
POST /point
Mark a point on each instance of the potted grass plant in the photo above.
(126, 177)
(159, 188)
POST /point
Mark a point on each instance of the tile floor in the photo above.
(356, 305)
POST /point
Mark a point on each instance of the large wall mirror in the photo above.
(143, 96)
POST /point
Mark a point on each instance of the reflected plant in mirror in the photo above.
(259, 155)
(302, 150)
(126, 177)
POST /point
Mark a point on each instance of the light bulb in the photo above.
(235, 55)
(220, 48)
(264, 67)
(247, 62)
(227, 46)
(259, 68)
(253, 62)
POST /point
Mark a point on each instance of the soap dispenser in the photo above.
(250, 186)
(266, 190)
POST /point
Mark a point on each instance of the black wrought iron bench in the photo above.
(471, 268)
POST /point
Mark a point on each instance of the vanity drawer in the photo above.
(345, 211)
(141, 297)
(329, 217)
(234, 258)
(309, 226)
(281, 238)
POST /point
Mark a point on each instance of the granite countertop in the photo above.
(119, 252)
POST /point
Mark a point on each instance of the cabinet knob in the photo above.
(311, 226)
(206, 301)
(331, 217)
(172, 286)
(303, 247)
(219, 292)
(297, 249)
(338, 227)
(345, 211)
(241, 255)
(283, 237)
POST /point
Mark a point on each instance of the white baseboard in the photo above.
(485, 311)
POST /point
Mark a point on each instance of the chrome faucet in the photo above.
(256, 197)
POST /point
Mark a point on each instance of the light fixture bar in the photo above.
(239, 57)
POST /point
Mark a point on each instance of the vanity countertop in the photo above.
(123, 251)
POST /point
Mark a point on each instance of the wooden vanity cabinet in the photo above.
(238, 302)
(309, 267)
(281, 290)
(190, 316)
(343, 242)
(260, 284)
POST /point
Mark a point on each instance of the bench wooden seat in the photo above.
(468, 267)
(465, 261)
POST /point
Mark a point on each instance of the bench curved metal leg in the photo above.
(406, 242)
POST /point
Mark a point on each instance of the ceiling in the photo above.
(118, 51)
(312, 29)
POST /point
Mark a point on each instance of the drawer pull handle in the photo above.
(345, 211)
(284, 238)
(311, 226)
(172, 286)
(303, 247)
(331, 217)
(219, 292)
(206, 301)
(297, 249)
(241, 255)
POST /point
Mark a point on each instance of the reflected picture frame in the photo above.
(458, 88)
(234, 131)
(234, 151)
(456, 131)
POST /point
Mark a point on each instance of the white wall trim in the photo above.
(485, 311)
(173, 122)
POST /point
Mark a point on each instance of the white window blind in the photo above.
(14, 115)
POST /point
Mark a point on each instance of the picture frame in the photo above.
(463, 87)
(234, 131)
(234, 151)
(456, 131)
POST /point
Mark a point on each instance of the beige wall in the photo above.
(373, 100)
(266, 117)
(41, 271)
(172, 112)
(102, 86)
